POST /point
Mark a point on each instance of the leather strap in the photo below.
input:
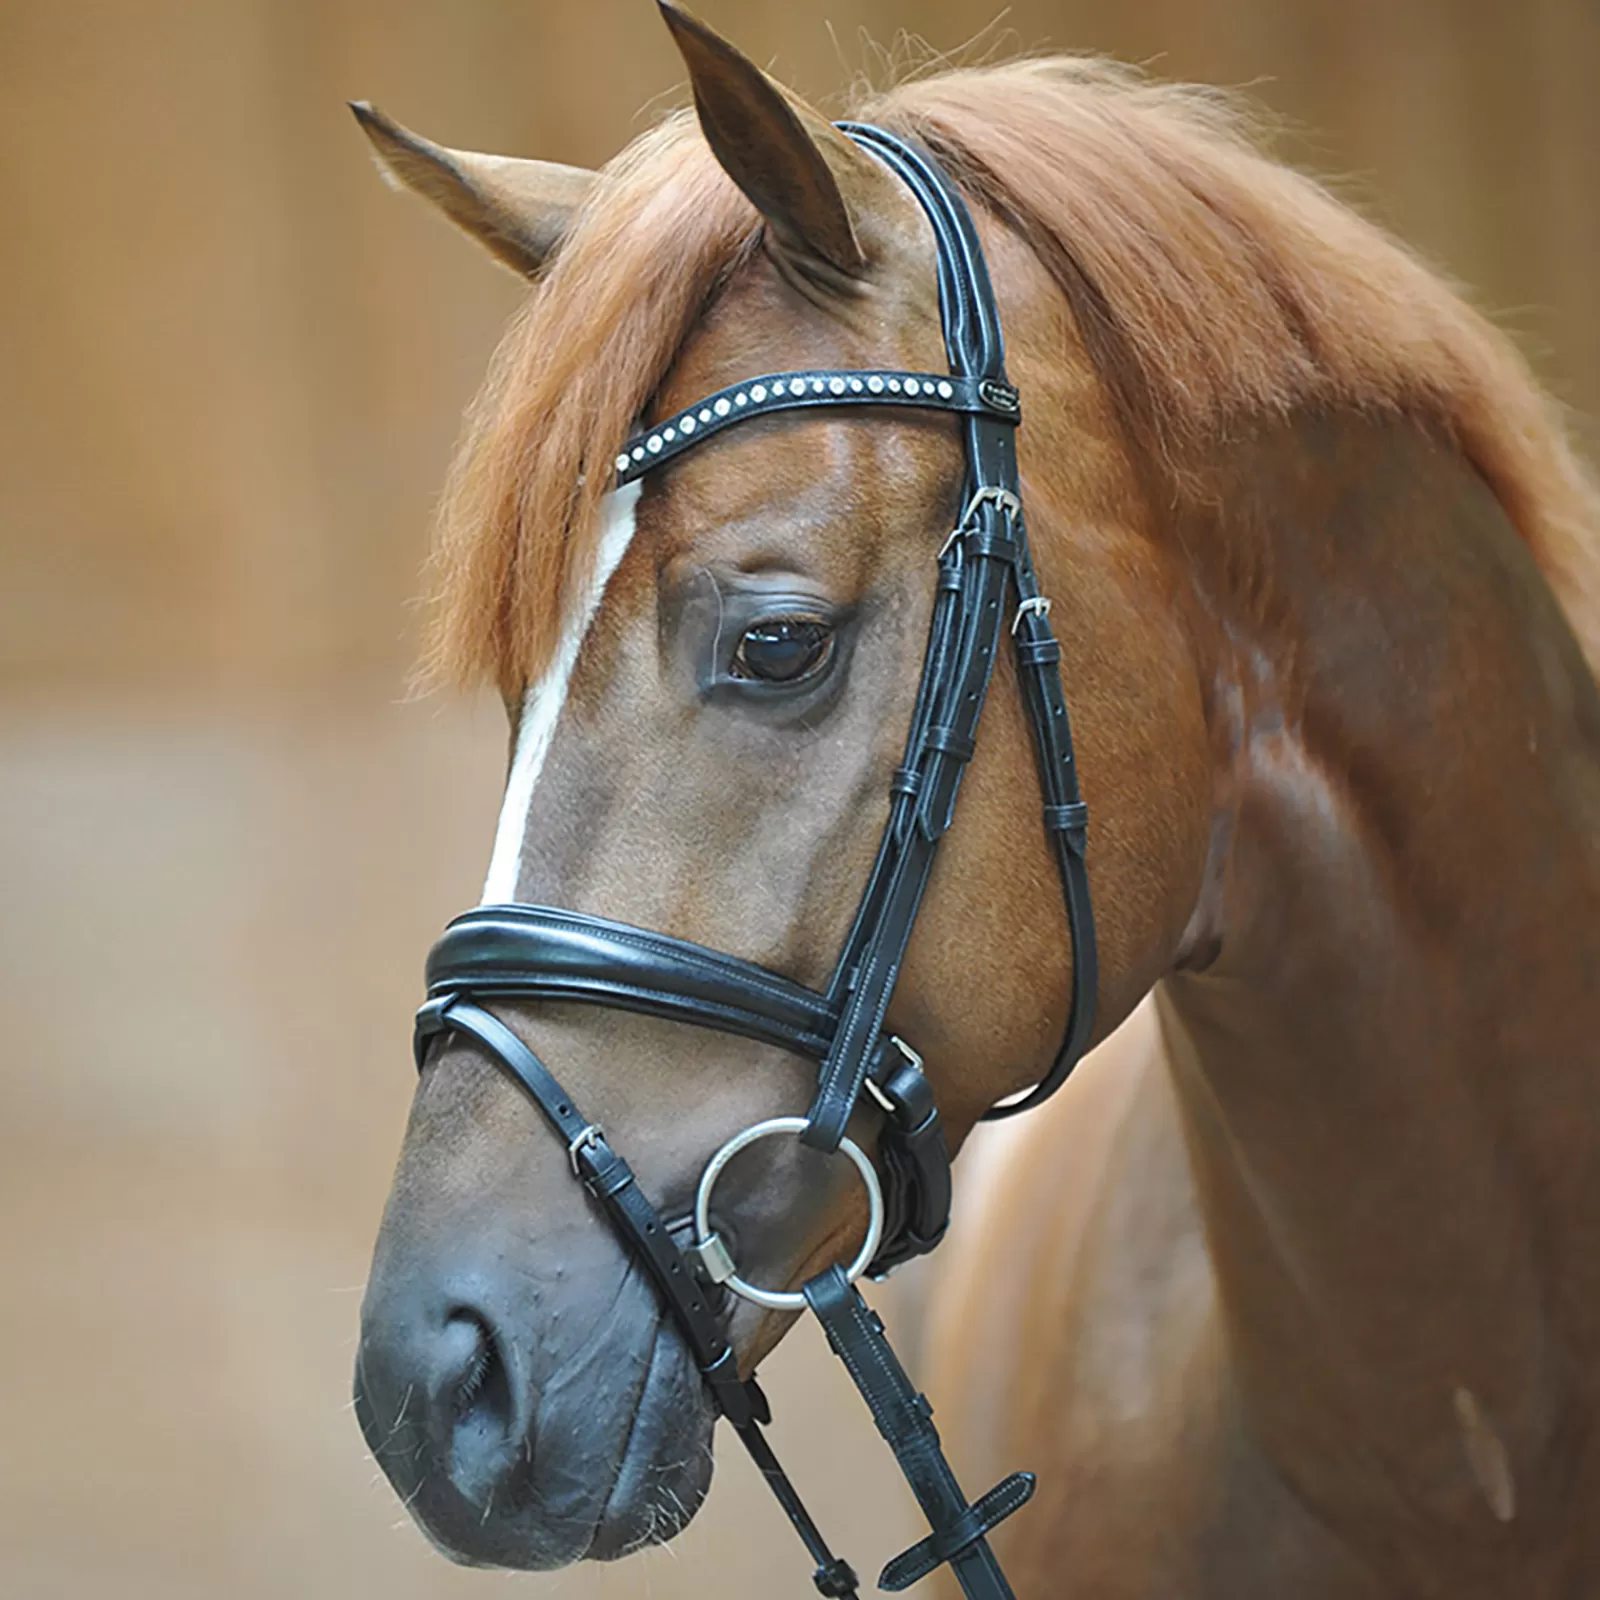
(547, 953)
(1066, 819)
(915, 1165)
(905, 1419)
(611, 1181)
(914, 1564)
(987, 557)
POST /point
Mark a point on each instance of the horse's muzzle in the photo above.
(535, 1448)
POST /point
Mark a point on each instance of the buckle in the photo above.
(1003, 501)
(585, 1139)
(892, 1108)
(1039, 604)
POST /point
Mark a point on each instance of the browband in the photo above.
(791, 391)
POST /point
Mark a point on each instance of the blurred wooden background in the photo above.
(231, 368)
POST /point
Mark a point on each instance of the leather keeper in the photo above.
(1061, 819)
(995, 543)
(951, 742)
(1070, 819)
(1038, 652)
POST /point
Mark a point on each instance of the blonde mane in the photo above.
(1212, 285)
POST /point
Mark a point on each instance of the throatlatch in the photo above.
(986, 587)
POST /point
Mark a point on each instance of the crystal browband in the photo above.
(789, 391)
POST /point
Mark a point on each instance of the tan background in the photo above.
(231, 366)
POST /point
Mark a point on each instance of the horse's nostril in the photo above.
(470, 1354)
(482, 1402)
(484, 1384)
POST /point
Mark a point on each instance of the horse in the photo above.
(1292, 1289)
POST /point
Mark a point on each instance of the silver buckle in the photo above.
(1003, 500)
(584, 1139)
(1039, 603)
(885, 1104)
(906, 1050)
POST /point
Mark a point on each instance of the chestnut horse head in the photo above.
(709, 678)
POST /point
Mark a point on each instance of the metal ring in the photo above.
(777, 1299)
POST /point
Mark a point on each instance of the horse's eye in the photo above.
(783, 649)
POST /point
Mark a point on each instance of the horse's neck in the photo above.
(1391, 1068)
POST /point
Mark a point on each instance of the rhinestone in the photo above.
(688, 425)
(817, 386)
(894, 386)
(653, 444)
(779, 387)
(669, 434)
(741, 399)
(836, 385)
(875, 385)
(759, 393)
(913, 387)
(638, 452)
(855, 386)
(946, 391)
(622, 462)
(722, 408)
(705, 414)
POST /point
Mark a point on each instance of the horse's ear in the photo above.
(810, 182)
(518, 210)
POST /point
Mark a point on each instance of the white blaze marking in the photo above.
(541, 707)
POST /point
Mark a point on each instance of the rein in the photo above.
(986, 584)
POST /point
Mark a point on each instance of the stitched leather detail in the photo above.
(911, 1566)
(905, 1419)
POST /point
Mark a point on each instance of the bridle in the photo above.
(986, 587)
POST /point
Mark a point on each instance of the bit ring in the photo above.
(706, 1239)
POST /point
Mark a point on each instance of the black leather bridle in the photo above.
(986, 585)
